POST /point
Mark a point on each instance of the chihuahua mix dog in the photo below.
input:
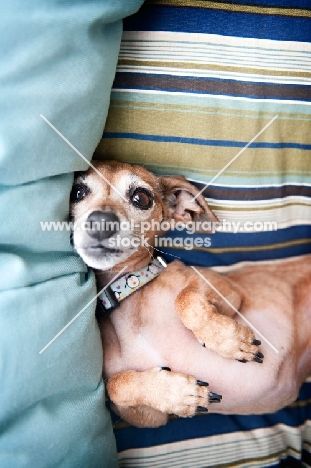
(165, 330)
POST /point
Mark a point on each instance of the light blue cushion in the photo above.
(57, 59)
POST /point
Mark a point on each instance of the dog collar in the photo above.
(129, 283)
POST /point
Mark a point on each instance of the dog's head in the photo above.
(113, 205)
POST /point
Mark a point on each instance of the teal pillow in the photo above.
(57, 59)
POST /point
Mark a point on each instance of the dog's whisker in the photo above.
(166, 253)
(151, 254)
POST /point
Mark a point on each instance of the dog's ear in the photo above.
(183, 202)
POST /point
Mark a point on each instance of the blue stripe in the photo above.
(275, 3)
(203, 142)
(209, 21)
(208, 425)
(219, 240)
(251, 239)
(306, 457)
(208, 259)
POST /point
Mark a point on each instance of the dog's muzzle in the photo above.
(101, 225)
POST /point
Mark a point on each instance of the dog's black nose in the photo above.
(102, 224)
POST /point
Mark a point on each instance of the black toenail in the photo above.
(257, 359)
(260, 355)
(242, 360)
(202, 384)
(166, 368)
(256, 342)
(214, 397)
(202, 409)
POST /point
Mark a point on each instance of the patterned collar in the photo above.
(129, 283)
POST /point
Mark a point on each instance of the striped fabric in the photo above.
(278, 440)
(190, 102)
(202, 86)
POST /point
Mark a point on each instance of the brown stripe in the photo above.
(222, 193)
(206, 86)
(204, 163)
(201, 125)
(300, 404)
(257, 9)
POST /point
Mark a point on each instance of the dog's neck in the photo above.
(117, 286)
(137, 261)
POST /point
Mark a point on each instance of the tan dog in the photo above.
(163, 342)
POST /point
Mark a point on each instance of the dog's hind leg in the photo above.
(141, 416)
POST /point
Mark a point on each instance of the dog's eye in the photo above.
(142, 199)
(78, 192)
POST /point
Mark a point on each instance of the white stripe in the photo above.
(269, 203)
(205, 50)
(216, 49)
(227, 59)
(260, 223)
(281, 214)
(202, 47)
(287, 184)
(213, 74)
(223, 448)
(217, 39)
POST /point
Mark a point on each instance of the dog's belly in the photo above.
(178, 349)
(150, 334)
(166, 342)
(158, 340)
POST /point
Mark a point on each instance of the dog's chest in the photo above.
(145, 328)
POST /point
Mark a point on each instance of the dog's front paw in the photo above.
(181, 394)
(163, 390)
(236, 341)
(214, 330)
